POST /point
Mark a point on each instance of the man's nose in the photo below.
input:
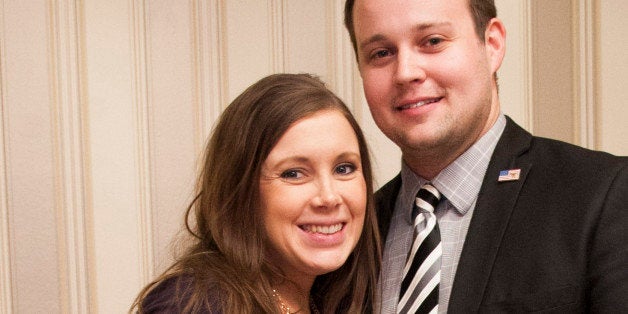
(409, 67)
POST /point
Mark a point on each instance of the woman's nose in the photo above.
(328, 195)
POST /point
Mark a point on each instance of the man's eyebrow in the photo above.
(372, 39)
(423, 26)
(418, 27)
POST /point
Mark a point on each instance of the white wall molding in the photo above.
(69, 154)
(528, 84)
(278, 35)
(209, 61)
(6, 284)
(141, 105)
(586, 79)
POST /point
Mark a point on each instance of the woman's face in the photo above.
(313, 196)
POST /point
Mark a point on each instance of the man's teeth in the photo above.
(420, 103)
(323, 229)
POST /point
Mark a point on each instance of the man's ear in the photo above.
(495, 43)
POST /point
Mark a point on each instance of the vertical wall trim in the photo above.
(219, 79)
(69, 154)
(6, 284)
(209, 74)
(586, 79)
(528, 65)
(277, 10)
(342, 64)
(141, 95)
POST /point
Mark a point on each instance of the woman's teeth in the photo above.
(323, 229)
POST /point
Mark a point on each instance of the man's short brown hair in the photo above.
(482, 11)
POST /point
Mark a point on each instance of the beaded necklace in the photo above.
(285, 309)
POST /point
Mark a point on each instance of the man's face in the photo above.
(427, 76)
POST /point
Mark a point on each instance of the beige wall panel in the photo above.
(515, 72)
(612, 112)
(249, 42)
(106, 106)
(172, 128)
(29, 154)
(307, 43)
(116, 106)
(553, 75)
(343, 78)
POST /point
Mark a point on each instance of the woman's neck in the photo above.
(292, 297)
(292, 300)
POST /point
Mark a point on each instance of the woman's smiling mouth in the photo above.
(328, 229)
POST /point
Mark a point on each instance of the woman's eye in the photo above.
(291, 174)
(345, 169)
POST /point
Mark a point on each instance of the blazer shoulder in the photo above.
(561, 153)
(518, 144)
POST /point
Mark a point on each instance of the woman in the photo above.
(284, 219)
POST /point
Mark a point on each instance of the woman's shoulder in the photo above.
(169, 295)
(172, 295)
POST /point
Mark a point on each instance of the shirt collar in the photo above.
(460, 182)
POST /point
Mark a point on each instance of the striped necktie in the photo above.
(421, 274)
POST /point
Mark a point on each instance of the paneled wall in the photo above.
(106, 106)
(610, 75)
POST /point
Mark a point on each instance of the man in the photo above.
(526, 223)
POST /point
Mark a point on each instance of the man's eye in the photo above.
(434, 41)
(380, 54)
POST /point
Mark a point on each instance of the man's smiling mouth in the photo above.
(420, 103)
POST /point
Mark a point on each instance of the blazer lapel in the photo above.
(385, 199)
(492, 212)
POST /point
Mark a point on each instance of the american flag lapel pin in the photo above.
(509, 175)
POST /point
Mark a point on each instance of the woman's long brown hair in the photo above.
(225, 253)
